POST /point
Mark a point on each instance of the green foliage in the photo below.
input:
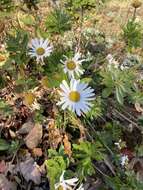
(130, 183)
(53, 69)
(58, 22)
(119, 82)
(2, 82)
(96, 109)
(83, 3)
(100, 128)
(25, 84)
(4, 145)
(11, 148)
(31, 4)
(112, 133)
(17, 47)
(6, 5)
(55, 165)
(5, 109)
(77, 4)
(132, 34)
(85, 153)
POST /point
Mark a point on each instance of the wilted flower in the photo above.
(136, 3)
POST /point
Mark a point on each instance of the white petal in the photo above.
(71, 181)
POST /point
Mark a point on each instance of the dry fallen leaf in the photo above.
(30, 171)
(37, 152)
(34, 136)
(2, 26)
(2, 58)
(26, 128)
(45, 82)
(3, 166)
(5, 184)
(29, 98)
(67, 145)
(54, 135)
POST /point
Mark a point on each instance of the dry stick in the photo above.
(134, 14)
(114, 110)
(100, 171)
(127, 119)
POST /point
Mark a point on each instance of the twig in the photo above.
(126, 118)
(134, 14)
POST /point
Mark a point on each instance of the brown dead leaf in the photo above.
(30, 171)
(5, 184)
(2, 26)
(3, 166)
(29, 98)
(12, 134)
(54, 135)
(37, 152)
(45, 82)
(2, 58)
(67, 145)
(26, 128)
(34, 137)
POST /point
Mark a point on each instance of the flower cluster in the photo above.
(74, 94)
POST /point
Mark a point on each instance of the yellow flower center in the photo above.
(40, 51)
(74, 96)
(71, 65)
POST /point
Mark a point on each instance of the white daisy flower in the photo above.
(76, 96)
(40, 49)
(72, 66)
(68, 184)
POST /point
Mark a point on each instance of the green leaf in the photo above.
(58, 22)
(55, 166)
(119, 95)
(17, 47)
(4, 145)
(27, 20)
(85, 153)
(107, 92)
